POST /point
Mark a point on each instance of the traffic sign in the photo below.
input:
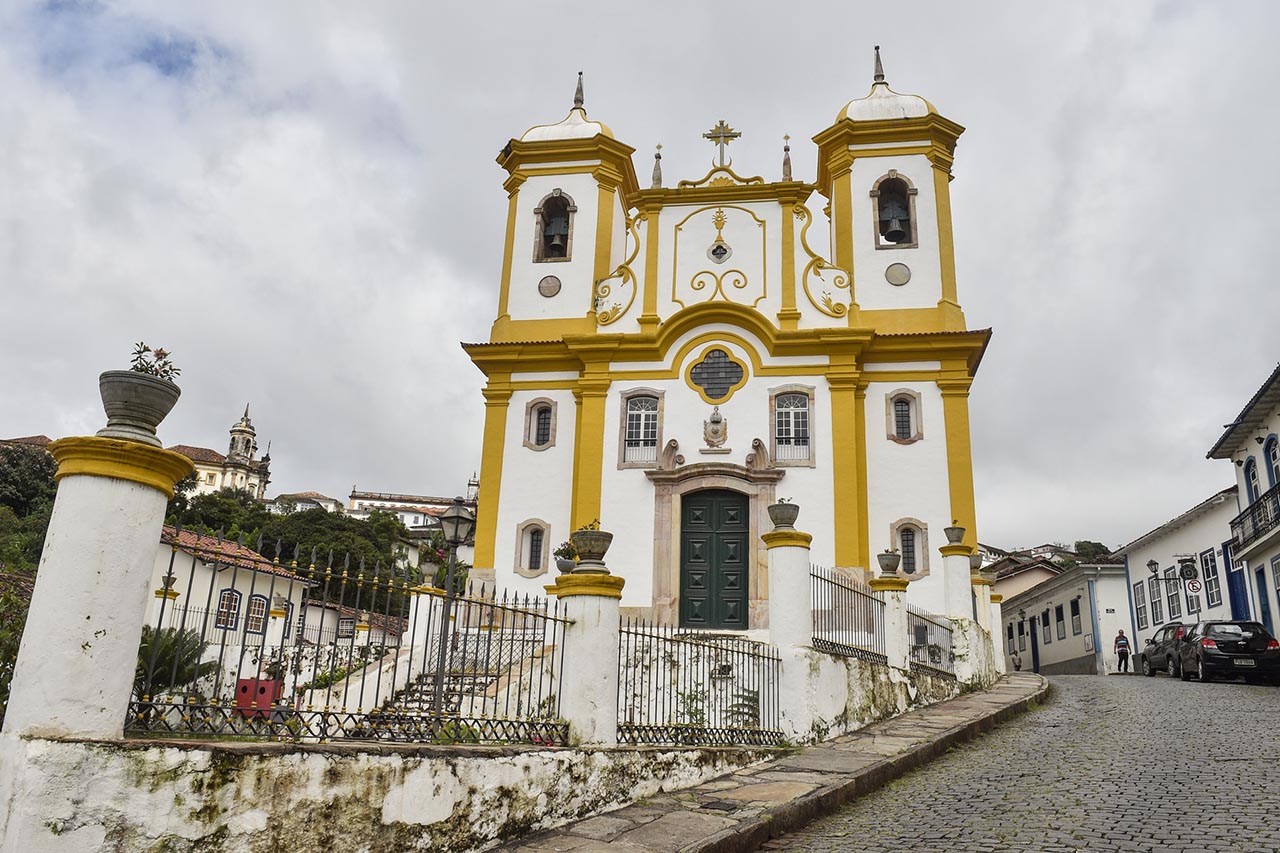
(1194, 587)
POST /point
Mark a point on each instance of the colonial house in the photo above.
(324, 622)
(239, 468)
(1016, 573)
(670, 359)
(1201, 536)
(212, 586)
(1065, 623)
(1252, 441)
(288, 502)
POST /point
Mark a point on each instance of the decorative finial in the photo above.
(577, 96)
(657, 168)
(721, 135)
(879, 67)
(786, 157)
(246, 411)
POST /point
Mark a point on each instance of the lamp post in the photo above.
(456, 523)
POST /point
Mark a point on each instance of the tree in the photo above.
(26, 478)
(1090, 551)
(231, 511)
(15, 596)
(169, 658)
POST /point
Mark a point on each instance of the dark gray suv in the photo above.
(1162, 652)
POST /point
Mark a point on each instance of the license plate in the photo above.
(1242, 662)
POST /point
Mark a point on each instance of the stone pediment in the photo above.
(721, 176)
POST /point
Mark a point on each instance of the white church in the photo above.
(671, 359)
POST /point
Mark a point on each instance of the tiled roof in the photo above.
(17, 585)
(314, 496)
(1248, 418)
(30, 440)
(199, 454)
(386, 624)
(1172, 524)
(225, 552)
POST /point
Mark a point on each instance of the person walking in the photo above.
(1122, 651)
(1016, 661)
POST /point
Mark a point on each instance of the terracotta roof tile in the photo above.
(225, 552)
(199, 454)
(31, 440)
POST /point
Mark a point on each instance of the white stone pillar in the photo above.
(897, 645)
(997, 633)
(790, 589)
(589, 701)
(426, 608)
(75, 667)
(959, 587)
(982, 592)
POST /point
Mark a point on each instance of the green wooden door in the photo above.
(714, 555)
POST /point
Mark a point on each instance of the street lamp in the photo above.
(1153, 566)
(456, 523)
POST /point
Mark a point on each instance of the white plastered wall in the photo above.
(909, 481)
(576, 275)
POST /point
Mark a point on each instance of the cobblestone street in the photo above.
(1108, 764)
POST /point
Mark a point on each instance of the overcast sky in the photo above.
(300, 200)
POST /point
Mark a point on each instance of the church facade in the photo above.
(670, 360)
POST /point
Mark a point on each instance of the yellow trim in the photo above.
(846, 495)
(649, 313)
(996, 598)
(605, 199)
(121, 460)
(764, 259)
(508, 253)
(568, 585)
(694, 362)
(426, 590)
(955, 415)
(979, 580)
(277, 614)
(171, 594)
(946, 238)
(879, 584)
(497, 398)
(591, 396)
(960, 550)
(507, 330)
(789, 316)
(864, 501)
(362, 626)
(786, 539)
(843, 249)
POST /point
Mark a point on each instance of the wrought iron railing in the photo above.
(929, 641)
(206, 671)
(848, 618)
(1259, 518)
(695, 688)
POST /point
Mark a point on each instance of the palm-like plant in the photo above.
(169, 658)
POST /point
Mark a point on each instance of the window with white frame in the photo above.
(1272, 455)
(907, 547)
(1193, 601)
(791, 419)
(640, 433)
(1212, 581)
(1140, 605)
(256, 618)
(533, 547)
(228, 609)
(540, 424)
(1251, 484)
(911, 537)
(346, 627)
(1076, 628)
(902, 415)
(1171, 584)
(1275, 572)
(1061, 622)
(1157, 606)
(1022, 635)
(1010, 643)
(1044, 628)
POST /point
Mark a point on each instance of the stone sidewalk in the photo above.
(742, 810)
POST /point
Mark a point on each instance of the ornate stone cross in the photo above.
(721, 135)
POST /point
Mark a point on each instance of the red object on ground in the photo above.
(255, 696)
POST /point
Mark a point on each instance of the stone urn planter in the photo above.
(135, 404)
(784, 515)
(888, 561)
(954, 534)
(565, 565)
(591, 545)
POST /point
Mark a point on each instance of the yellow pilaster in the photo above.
(509, 248)
(846, 497)
(860, 446)
(497, 398)
(649, 314)
(789, 316)
(591, 395)
(606, 197)
(955, 414)
(842, 214)
(949, 304)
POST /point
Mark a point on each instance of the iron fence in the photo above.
(695, 688)
(848, 618)
(239, 645)
(929, 640)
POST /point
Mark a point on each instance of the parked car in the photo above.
(1213, 649)
(1162, 651)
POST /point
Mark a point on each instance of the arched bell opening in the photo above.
(893, 201)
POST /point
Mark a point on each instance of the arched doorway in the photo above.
(715, 552)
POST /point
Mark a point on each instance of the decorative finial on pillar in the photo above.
(577, 96)
(879, 68)
(657, 168)
(786, 157)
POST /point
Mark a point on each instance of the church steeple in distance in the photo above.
(244, 439)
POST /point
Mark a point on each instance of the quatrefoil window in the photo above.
(717, 376)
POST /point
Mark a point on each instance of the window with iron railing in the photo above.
(907, 546)
(640, 441)
(791, 427)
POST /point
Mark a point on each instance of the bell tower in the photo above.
(885, 167)
(244, 440)
(566, 224)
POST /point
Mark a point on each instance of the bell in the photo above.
(895, 233)
(557, 245)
